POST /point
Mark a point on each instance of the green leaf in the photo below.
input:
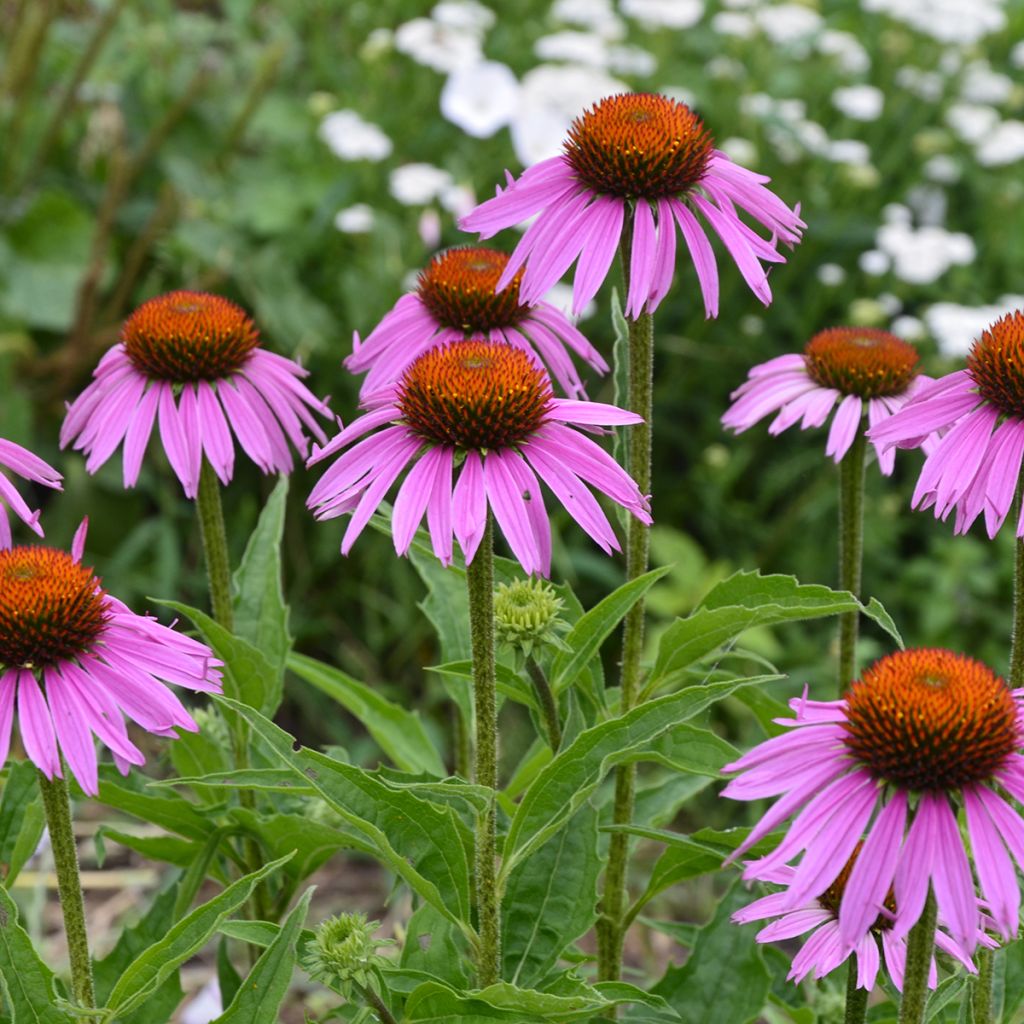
(25, 981)
(568, 779)
(21, 819)
(248, 675)
(169, 849)
(148, 971)
(587, 635)
(424, 844)
(689, 749)
(168, 810)
(269, 780)
(436, 947)
(399, 733)
(748, 599)
(228, 979)
(550, 900)
(261, 615)
(432, 1001)
(508, 682)
(263, 991)
(724, 981)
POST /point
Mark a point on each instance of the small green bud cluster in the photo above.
(526, 615)
(344, 953)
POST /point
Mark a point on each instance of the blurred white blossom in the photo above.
(860, 102)
(849, 151)
(597, 15)
(429, 228)
(786, 24)
(874, 262)
(1005, 145)
(560, 296)
(733, 23)
(742, 151)
(955, 327)
(573, 48)
(961, 22)
(355, 220)
(927, 85)
(846, 48)
(653, 14)
(971, 122)
(481, 98)
(349, 137)
(632, 61)
(922, 255)
(831, 274)
(436, 45)
(909, 328)
(418, 184)
(1017, 55)
(464, 15)
(942, 168)
(983, 85)
(457, 199)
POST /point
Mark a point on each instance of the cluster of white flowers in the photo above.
(349, 137)
(955, 327)
(355, 220)
(451, 38)
(958, 22)
(655, 14)
(918, 255)
(859, 102)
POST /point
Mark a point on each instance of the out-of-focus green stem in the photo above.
(920, 944)
(851, 551)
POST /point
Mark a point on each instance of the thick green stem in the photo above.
(57, 806)
(920, 944)
(856, 998)
(215, 546)
(480, 581)
(981, 990)
(1017, 638)
(611, 926)
(548, 705)
(377, 1004)
(851, 549)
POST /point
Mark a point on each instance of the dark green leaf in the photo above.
(168, 810)
(25, 981)
(434, 946)
(21, 819)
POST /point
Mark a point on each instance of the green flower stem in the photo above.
(981, 990)
(611, 924)
(920, 944)
(856, 998)
(480, 582)
(1017, 639)
(851, 551)
(548, 705)
(57, 806)
(215, 546)
(377, 1004)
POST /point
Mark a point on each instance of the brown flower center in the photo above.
(996, 362)
(832, 897)
(51, 607)
(639, 145)
(861, 361)
(188, 336)
(474, 395)
(458, 289)
(930, 719)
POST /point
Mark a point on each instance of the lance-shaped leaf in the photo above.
(25, 981)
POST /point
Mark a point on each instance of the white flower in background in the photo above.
(874, 262)
(481, 98)
(860, 102)
(438, 46)
(429, 228)
(1004, 146)
(379, 42)
(355, 220)
(550, 97)
(733, 23)
(972, 122)
(909, 328)
(955, 327)
(573, 48)
(849, 151)
(741, 151)
(786, 24)
(560, 296)
(831, 274)
(725, 69)
(597, 15)
(740, 4)
(458, 200)
(960, 22)
(846, 48)
(942, 168)
(928, 203)
(983, 85)
(418, 184)
(759, 104)
(897, 213)
(654, 14)
(1017, 55)
(922, 255)
(927, 85)
(632, 61)
(889, 304)
(349, 137)
(813, 137)
(465, 15)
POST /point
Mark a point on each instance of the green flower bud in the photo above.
(526, 615)
(345, 953)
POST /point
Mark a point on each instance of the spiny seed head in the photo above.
(344, 951)
(188, 336)
(526, 614)
(51, 607)
(639, 145)
(458, 289)
(832, 897)
(478, 395)
(929, 719)
(861, 361)
(996, 363)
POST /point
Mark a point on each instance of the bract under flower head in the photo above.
(191, 363)
(644, 164)
(860, 368)
(922, 734)
(485, 410)
(457, 299)
(74, 661)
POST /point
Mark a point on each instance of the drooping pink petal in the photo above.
(469, 506)
(37, 726)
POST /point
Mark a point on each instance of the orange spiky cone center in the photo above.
(188, 336)
(458, 289)
(861, 361)
(929, 719)
(996, 363)
(474, 395)
(639, 145)
(51, 607)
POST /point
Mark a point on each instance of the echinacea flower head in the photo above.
(192, 364)
(824, 949)
(29, 466)
(455, 299)
(922, 734)
(975, 464)
(860, 368)
(74, 661)
(483, 410)
(647, 163)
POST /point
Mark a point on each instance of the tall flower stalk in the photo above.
(851, 552)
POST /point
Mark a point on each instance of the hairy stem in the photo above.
(215, 545)
(480, 583)
(57, 806)
(377, 1004)
(981, 990)
(548, 705)
(851, 551)
(856, 998)
(1017, 637)
(920, 944)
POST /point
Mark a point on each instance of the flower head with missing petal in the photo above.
(648, 163)
(192, 364)
(485, 411)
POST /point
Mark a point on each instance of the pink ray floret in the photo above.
(28, 466)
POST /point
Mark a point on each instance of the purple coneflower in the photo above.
(74, 661)
(29, 466)
(824, 949)
(648, 161)
(456, 299)
(974, 467)
(858, 367)
(919, 735)
(484, 410)
(192, 363)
